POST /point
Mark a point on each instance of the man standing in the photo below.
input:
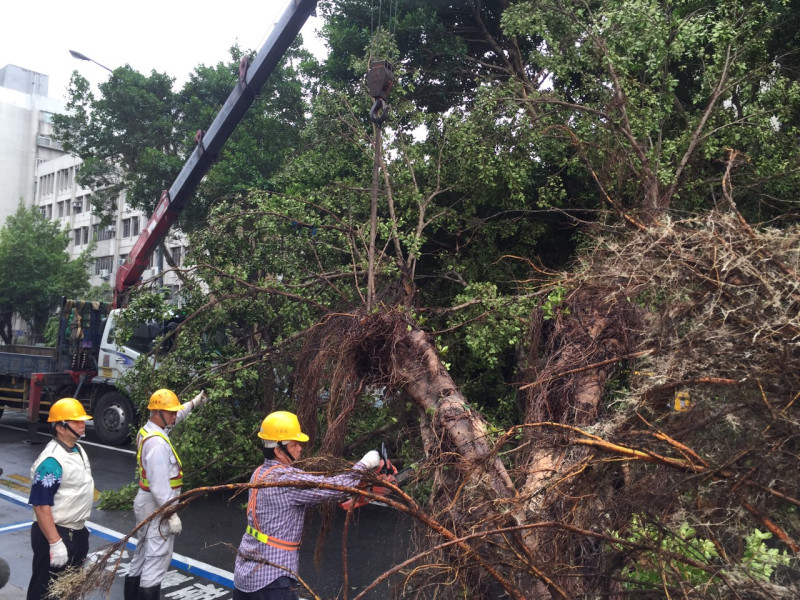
(268, 553)
(62, 493)
(160, 480)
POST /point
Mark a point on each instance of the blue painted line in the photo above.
(16, 527)
(13, 498)
(109, 536)
(184, 563)
(199, 571)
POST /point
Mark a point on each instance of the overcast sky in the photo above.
(170, 36)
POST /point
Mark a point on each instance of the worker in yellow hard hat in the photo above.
(268, 552)
(62, 492)
(160, 480)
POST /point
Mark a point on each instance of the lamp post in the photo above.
(80, 56)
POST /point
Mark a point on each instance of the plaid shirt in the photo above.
(280, 512)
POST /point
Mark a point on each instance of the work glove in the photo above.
(371, 460)
(58, 554)
(199, 400)
(175, 526)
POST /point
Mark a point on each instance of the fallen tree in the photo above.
(603, 492)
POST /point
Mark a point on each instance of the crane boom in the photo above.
(209, 144)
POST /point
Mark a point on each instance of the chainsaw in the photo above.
(386, 472)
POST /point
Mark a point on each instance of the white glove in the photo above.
(58, 554)
(174, 524)
(199, 400)
(371, 460)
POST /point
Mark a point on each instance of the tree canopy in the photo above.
(36, 270)
(576, 216)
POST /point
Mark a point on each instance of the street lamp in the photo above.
(80, 56)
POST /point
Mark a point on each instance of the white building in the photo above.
(34, 169)
(25, 134)
(59, 197)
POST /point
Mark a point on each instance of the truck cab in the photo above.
(115, 359)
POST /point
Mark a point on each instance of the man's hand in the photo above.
(199, 400)
(371, 460)
(58, 554)
(175, 526)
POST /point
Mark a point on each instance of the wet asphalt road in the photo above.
(202, 566)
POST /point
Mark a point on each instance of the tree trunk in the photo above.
(428, 383)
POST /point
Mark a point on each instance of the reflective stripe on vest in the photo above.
(254, 530)
(271, 541)
(174, 482)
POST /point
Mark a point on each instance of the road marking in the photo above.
(83, 442)
(16, 526)
(24, 485)
(184, 563)
(15, 486)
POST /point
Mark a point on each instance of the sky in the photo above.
(170, 36)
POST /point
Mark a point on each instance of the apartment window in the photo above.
(104, 265)
(78, 236)
(126, 228)
(43, 210)
(176, 254)
(67, 207)
(122, 259)
(78, 205)
(48, 181)
(134, 226)
(104, 234)
(64, 179)
(60, 209)
(85, 231)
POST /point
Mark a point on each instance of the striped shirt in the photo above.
(280, 512)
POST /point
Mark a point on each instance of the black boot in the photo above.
(132, 587)
(150, 593)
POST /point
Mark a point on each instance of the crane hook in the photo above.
(380, 79)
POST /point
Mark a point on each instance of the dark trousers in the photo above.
(77, 543)
(283, 588)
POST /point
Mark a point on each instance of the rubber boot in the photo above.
(150, 593)
(132, 587)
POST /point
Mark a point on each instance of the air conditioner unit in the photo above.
(112, 231)
(105, 273)
(77, 204)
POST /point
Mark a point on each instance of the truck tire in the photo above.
(113, 417)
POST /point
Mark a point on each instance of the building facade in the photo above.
(26, 114)
(59, 197)
(37, 171)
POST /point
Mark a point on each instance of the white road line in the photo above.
(179, 561)
(82, 442)
(16, 527)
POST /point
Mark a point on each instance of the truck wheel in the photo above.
(113, 417)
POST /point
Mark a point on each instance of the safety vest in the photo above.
(72, 504)
(174, 482)
(254, 529)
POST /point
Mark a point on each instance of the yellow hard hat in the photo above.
(164, 399)
(281, 426)
(67, 409)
